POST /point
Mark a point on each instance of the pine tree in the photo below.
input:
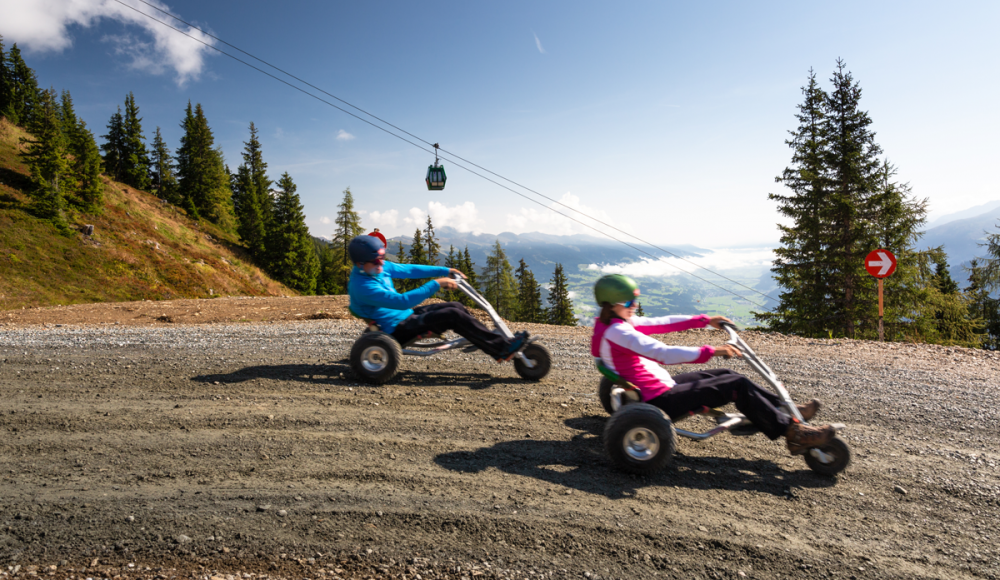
(203, 182)
(114, 147)
(46, 158)
(529, 296)
(498, 284)
(292, 255)
(326, 280)
(6, 91)
(983, 308)
(82, 185)
(431, 243)
(639, 311)
(560, 304)
(798, 266)
(67, 115)
(88, 190)
(163, 178)
(135, 158)
(843, 204)
(348, 224)
(418, 252)
(452, 260)
(469, 269)
(25, 97)
(250, 194)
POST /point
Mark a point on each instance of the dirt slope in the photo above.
(176, 450)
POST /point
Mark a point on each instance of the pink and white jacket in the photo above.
(626, 348)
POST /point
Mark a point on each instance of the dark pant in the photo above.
(718, 387)
(445, 316)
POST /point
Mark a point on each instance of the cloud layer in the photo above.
(718, 261)
(43, 26)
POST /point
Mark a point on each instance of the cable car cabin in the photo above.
(436, 177)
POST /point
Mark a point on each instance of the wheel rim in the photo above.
(374, 359)
(824, 456)
(641, 444)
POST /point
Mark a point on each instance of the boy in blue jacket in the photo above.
(374, 297)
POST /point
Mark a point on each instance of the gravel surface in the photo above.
(248, 450)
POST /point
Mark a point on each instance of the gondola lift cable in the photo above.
(436, 149)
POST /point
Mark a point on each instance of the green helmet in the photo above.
(614, 289)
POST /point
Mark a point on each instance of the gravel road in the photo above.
(248, 449)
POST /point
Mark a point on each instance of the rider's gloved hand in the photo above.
(727, 351)
(716, 321)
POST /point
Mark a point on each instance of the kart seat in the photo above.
(372, 326)
(613, 376)
(619, 381)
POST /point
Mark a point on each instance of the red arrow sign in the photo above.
(880, 263)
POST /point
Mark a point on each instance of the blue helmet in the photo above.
(366, 249)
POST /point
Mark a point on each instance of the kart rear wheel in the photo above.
(604, 394)
(833, 458)
(539, 356)
(640, 439)
(376, 357)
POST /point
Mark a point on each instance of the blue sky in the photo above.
(666, 119)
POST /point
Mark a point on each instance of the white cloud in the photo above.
(384, 220)
(538, 43)
(416, 218)
(463, 217)
(537, 219)
(324, 220)
(344, 136)
(717, 261)
(43, 26)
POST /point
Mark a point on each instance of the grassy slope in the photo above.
(141, 249)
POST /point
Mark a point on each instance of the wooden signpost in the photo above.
(881, 263)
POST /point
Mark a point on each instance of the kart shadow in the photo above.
(339, 372)
(330, 373)
(582, 465)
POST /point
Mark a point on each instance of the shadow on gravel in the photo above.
(581, 464)
(322, 374)
(339, 372)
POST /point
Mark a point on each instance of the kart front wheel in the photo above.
(830, 459)
(540, 359)
(640, 439)
(376, 357)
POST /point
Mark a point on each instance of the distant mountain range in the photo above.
(961, 239)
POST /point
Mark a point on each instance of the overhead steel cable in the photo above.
(453, 155)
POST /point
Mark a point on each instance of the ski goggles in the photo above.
(630, 303)
(376, 261)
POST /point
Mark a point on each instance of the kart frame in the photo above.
(736, 423)
(420, 347)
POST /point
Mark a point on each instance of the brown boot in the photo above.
(800, 438)
(809, 410)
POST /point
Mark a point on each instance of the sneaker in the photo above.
(800, 438)
(520, 339)
(809, 410)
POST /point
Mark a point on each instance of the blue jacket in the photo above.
(375, 297)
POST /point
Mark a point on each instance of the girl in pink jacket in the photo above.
(623, 344)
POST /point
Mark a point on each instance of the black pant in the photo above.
(718, 387)
(446, 316)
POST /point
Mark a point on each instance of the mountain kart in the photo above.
(640, 438)
(376, 356)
